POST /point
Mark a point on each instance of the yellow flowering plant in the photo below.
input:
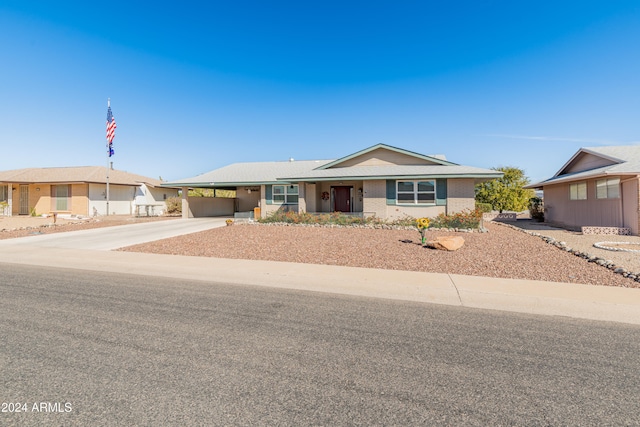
(422, 224)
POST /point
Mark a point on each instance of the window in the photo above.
(578, 191)
(4, 196)
(416, 192)
(60, 195)
(608, 188)
(286, 194)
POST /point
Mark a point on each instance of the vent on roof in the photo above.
(291, 159)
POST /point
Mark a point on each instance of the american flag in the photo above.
(111, 126)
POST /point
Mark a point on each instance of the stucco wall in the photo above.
(461, 195)
(210, 206)
(375, 198)
(247, 201)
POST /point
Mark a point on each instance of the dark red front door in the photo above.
(342, 199)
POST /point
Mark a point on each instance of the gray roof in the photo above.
(394, 172)
(256, 173)
(251, 173)
(72, 174)
(626, 158)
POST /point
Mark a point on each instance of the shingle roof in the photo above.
(626, 158)
(256, 173)
(395, 171)
(88, 174)
(251, 173)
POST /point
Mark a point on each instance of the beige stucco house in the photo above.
(80, 191)
(381, 180)
(596, 187)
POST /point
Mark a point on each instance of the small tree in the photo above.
(506, 193)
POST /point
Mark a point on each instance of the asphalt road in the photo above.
(105, 349)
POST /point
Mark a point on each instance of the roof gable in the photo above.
(385, 155)
(587, 159)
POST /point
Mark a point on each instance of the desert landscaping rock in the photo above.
(501, 251)
(446, 243)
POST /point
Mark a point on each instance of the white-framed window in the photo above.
(285, 194)
(578, 191)
(416, 192)
(608, 188)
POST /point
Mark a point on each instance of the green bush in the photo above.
(536, 209)
(484, 207)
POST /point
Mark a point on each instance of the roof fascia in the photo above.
(387, 147)
(218, 184)
(573, 178)
(380, 177)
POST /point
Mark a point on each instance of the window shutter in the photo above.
(441, 192)
(391, 192)
(269, 195)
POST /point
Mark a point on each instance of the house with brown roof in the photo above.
(596, 187)
(80, 191)
(381, 180)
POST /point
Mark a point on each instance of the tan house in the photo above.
(80, 191)
(381, 180)
(597, 187)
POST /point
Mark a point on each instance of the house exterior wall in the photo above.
(302, 202)
(79, 199)
(375, 198)
(382, 157)
(40, 201)
(210, 206)
(631, 205)
(311, 196)
(247, 201)
(461, 195)
(560, 210)
(397, 212)
(121, 199)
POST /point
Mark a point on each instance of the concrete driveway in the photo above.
(110, 238)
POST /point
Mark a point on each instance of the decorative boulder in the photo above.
(446, 243)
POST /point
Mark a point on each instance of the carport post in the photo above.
(185, 202)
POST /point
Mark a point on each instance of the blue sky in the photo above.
(198, 85)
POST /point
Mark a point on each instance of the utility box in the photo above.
(256, 213)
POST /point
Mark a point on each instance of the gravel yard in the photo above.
(504, 252)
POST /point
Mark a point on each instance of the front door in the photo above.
(24, 200)
(341, 199)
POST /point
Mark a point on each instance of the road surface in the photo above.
(96, 348)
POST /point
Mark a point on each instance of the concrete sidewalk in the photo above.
(524, 296)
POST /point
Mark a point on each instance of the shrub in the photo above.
(174, 205)
(536, 209)
(484, 207)
(463, 219)
(292, 217)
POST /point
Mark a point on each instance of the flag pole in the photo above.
(108, 155)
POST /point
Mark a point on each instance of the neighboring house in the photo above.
(381, 180)
(80, 191)
(597, 187)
